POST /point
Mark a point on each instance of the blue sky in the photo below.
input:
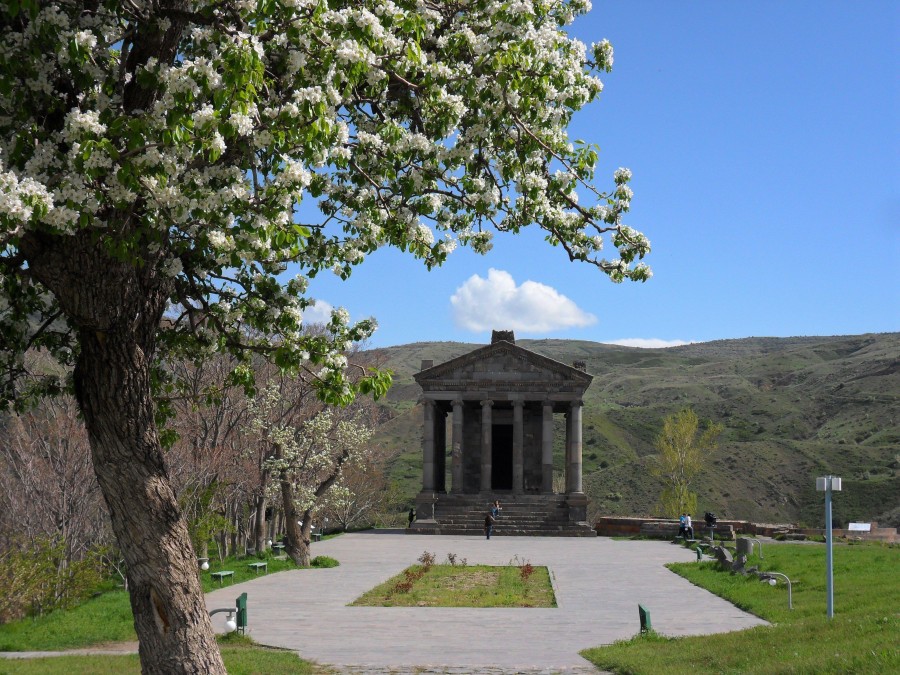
(764, 142)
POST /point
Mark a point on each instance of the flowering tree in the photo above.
(152, 159)
(306, 459)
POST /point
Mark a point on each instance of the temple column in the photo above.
(428, 445)
(486, 444)
(568, 458)
(547, 449)
(456, 453)
(574, 443)
(440, 450)
(518, 448)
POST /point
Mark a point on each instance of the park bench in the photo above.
(316, 536)
(222, 574)
(257, 566)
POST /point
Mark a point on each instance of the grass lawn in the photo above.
(241, 657)
(863, 636)
(107, 617)
(463, 586)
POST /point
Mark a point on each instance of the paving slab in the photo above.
(599, 583)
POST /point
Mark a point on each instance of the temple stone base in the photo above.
(522, 515)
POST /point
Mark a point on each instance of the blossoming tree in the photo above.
(153, 155)
(307, 451)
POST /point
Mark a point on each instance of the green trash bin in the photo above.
(241, 604)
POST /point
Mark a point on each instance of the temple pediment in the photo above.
(503, 366)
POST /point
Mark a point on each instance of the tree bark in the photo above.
(116, 307)
(112, 380)
(296, 540)
(259, 527)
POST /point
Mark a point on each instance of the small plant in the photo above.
(403, 587)
(413, 575)
(453, 560)
(427, 559)
(526, 571)
(323, 561)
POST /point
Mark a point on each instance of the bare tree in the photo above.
(47, 484)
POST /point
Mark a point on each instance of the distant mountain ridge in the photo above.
(793, 409)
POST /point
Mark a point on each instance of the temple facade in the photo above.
(489, 416)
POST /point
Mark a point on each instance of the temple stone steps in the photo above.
(521, 515)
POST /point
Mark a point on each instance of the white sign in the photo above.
(860, 527)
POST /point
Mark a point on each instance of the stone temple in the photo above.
(490, 415)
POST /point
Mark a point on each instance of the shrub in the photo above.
(526, 571)
(38, 579)
(323, 561)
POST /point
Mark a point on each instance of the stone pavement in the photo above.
(598, 583)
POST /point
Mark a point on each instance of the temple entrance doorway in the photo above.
(501, 457)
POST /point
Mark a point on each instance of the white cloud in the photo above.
(318, 313)
(647, 343)
(497, 303)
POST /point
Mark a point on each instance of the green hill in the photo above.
(793, 409)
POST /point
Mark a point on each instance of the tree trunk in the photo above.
(223, 545)
(259, 528)
(234, 526)
(306, 530)
(296, 539)
(112, 382)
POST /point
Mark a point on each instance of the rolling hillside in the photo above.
(793, 409)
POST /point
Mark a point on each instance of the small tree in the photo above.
(680, 458)
(306, 457)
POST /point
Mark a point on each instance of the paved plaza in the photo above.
(598, 582)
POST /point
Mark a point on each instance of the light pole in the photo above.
(768, 577)
(827, 484)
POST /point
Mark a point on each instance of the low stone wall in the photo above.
(885, 534)
(661, 528)
(628, 526)
(622, 526)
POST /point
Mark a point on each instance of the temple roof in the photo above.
(503, 367)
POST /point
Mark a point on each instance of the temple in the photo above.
(501, 400)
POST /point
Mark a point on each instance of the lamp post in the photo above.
(769, 577)
(827, 484)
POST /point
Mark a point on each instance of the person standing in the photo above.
(411, 517)
(688, 527)
(681, 525)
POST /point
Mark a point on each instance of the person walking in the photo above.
(688, 527)
(681, 525)
(411, 517)
(488, 525)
